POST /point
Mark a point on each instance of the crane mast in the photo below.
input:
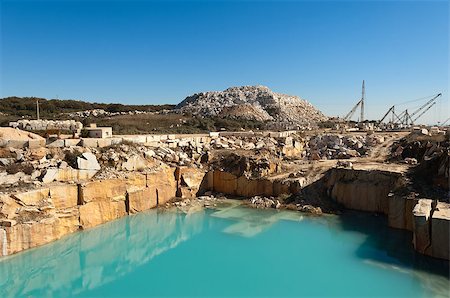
(362, 102)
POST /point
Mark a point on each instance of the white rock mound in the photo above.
(253, 103)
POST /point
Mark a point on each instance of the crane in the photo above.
(406, 118)
(350, 114)
(420, 115)
(359, 103)
(391, 110)
(425, 106)
(445, 122)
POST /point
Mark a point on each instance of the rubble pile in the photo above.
(333, 146)
(197, 204)
(260, 202)
(68, 125)
(103, 113)
(263, 202)
(248, 166)
(252, 103)
(47, 164)
(430, 154)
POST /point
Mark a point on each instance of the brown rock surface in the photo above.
(440, 231)
(8, 207)
(225, 182)
(97, 212)
(362, 190)
(421, 226)
(141, 199)
(32, 234)
(113, 189)
(163, 183)
(34, 197)
(64, 196)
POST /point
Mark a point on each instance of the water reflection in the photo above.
(92, 258)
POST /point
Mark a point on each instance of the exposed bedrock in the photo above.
(374, 191)
(362, 190)
(36, 217)
(227, 183)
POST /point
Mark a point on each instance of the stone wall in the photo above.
(230, 184)
(40, 216)
(373, 191)
(164, 140)
(362, 190)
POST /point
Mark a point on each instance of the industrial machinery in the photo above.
(360, 103)
(445, 122)
(405, 118)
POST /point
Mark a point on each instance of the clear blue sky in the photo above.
(151, 52)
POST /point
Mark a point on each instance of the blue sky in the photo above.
(151, 52)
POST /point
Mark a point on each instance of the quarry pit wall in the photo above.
(52, 212)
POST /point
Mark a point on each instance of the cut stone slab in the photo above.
(141, 199)
(421, 225)
(440, 231)
(88, 161)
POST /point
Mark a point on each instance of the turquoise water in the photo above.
(229, 252)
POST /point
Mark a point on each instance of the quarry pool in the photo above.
(232, 251)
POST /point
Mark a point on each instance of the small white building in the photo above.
(99, 132)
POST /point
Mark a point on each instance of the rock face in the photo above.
(362, 190)
(33, 218)
(224, 182)
(141, 199)
(96, 213)
(421, 226)
(440, 229)
(252, 102)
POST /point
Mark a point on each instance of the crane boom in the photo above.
(387, 113)
(425, 105)
(445, 122)
(350, 114)
(420, 115)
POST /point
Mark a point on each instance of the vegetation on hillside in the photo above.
(172, 123)
(14, 108)
(53, 108)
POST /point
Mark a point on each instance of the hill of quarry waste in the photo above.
(252, 103)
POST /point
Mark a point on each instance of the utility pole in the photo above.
(37, 108)
(362, 102)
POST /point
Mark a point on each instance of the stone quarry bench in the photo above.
(48, 214)
(372, 191)
(39, 216)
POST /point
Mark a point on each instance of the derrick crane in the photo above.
(420, 115)
(350, 114)
(425, 106)
(445, 122)
(391, 109)
(406, 118)
(359, 103)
